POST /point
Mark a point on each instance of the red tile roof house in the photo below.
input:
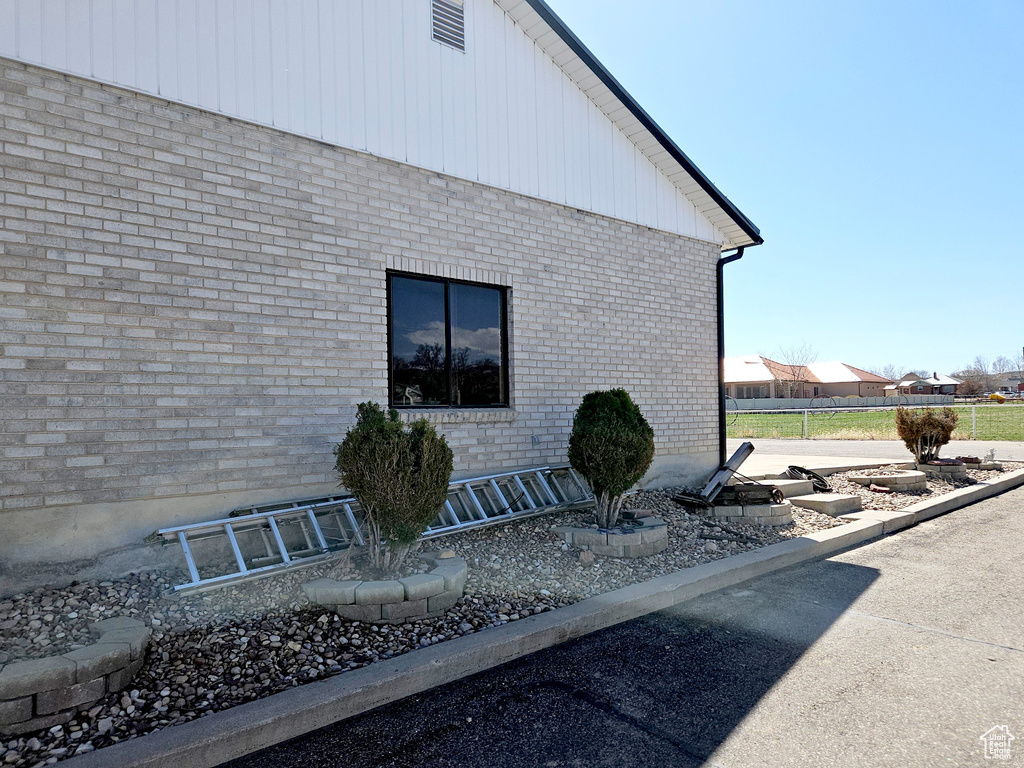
(937, 384)
(225, 225)
(755, 376)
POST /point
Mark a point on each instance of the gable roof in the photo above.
(939, 380)
(750, 368)
(838, 373)
(541, 23)
(755, 369)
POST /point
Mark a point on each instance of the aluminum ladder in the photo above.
(257, 541)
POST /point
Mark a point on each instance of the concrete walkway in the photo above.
(872, 449)
(902, 652)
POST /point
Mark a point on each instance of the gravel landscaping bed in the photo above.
(841, 483)
(218, 649)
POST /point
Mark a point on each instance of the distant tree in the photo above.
(429, 358)
(890, 372)
(971, 387)
(1003, 364)
(794, 373)
(977, 378)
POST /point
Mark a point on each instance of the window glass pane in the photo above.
(418, 342)
(477, 375)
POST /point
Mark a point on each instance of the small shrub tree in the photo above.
(400, 477)
(925, 431)
(612, 446)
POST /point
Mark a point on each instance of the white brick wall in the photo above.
(192, 307)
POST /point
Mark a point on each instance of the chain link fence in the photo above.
(976, 422)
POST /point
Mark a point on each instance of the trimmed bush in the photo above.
(925, 431)
(612, 446)
(400, 477)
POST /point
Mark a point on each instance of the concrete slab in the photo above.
(770, 466)
(833, 504)
(792, 488)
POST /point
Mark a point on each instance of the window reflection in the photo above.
(476, 345)
(447, 343)
(418, 342)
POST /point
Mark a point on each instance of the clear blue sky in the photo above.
(877, 145)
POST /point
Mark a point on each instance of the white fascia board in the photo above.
(551, 42)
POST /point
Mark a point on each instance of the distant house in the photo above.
(937, 384)
(754, 376)
(1008, 382)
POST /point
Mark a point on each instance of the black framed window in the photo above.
(447, 343)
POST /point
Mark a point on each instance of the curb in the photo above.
(222, 736)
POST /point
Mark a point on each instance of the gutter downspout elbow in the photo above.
(720, 267)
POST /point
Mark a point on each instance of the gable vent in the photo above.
(448, 19)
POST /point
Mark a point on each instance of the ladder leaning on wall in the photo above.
(257, 541)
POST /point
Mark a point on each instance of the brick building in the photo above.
(219, 234)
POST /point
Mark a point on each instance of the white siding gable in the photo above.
(365, 74)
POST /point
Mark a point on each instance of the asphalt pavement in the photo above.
(902, 652)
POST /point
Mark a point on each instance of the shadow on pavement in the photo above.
(664, 689)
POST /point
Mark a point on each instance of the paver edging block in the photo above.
(897, 480)
(756, 514)
(944, 471)
(394, 601)
(42, 693)
(644, 537)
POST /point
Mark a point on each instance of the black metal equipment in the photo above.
(744, 494)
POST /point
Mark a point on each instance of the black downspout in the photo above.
(721, 352)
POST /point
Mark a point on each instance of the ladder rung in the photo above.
(279, 540)
(234, 548)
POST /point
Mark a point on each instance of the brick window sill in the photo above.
(459, 415)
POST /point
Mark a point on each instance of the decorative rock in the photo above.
(586, 557)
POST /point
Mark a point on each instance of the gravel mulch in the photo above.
(215, 650)
(894, 500)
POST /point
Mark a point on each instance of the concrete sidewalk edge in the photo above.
(223, 736)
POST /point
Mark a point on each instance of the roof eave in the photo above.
(751, 235)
